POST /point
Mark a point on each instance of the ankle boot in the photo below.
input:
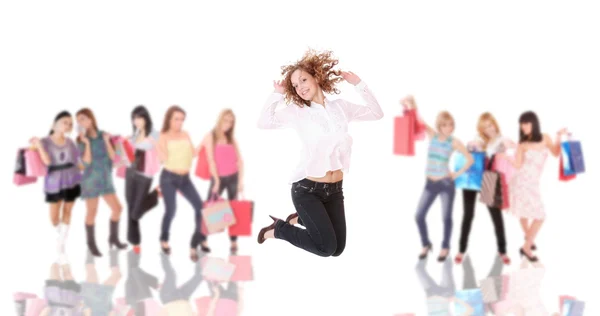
(113, 239)
(91, 241)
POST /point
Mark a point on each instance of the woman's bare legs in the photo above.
(531, 234)
(66, 212)
(55, 221)
(115, 271)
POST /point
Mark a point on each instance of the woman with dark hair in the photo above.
(525, 199)
(225, 161)
(97, 154)
(176, 151)
(137, 184)
(322, 125)
(62, 180)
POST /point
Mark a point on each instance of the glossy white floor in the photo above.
(466, 58)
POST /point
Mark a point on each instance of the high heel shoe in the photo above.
(194, 255)
(530, 258)
(424, 254)
(443, 258)
(165, 250)
(291, 217)
(459, 258)
(262, 232)
(205, 249)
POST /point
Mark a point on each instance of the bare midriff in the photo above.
(330, 177)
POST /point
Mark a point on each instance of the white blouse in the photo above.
(323, 129)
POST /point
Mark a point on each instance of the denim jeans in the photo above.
(229, 184)
(445, 189)
(469, 198)
(320, 206)
(170, 183)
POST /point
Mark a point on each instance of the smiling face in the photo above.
(489, 129)
(446, 128)
(63, 126)
(139, 123)
(304, 84)
(526, 128)
(84, 122)
(177, 121)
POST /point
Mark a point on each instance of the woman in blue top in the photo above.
(97, 155)
(137, 184)
(440, 181)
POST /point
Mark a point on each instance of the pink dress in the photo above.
(525, 198)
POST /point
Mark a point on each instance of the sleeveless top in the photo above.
(226, 159)
(179, 155)
(438, 157)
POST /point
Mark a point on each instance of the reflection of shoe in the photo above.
(165, 250)
(459, 258)
(233, 250)
(505, 259)
(137, 249)
(262, 232)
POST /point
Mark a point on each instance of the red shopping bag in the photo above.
(561, 172)
(243, 211)
(404, 135)
(243, 268)
(129, 150)
(505, 192)
(202, 170)
(34, 166)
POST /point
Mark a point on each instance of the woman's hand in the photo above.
(350, 77)
(279, 87)
(36, 142)
(562, 131)
(240, 187)
(408, 102)
(84, 138)
(106, 137)
(216, 185)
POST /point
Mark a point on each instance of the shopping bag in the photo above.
(243, 268)
(491, 187)
(404, 135)
(473, 298)
(121, 158)
(34, 166)
(121, 171)
(243, 211)
(572, 307)
(217, 215)
(202, 170)
(420, 126)
(470, 179)
(505, 167)
(35, 306)
(217, 269)
(20, 162)
(561, 171)
(151, 162)
(19, 179)
(562, 300)
(575, 153)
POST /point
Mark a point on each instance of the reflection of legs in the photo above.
(231, 292)
(186, 290)
(168, 289)
(496, 268)
(115, 271)
(91, 275)
(469, 281)
(448, 277)
(427, 282)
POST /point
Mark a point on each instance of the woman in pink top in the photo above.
(322, 125)
(224, 160)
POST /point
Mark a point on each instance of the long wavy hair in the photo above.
(319, 65)
(87, 112)
(483, 118)
(228, 133)
(169, 115)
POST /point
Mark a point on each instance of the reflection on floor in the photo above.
(144, 293)
(513, 293)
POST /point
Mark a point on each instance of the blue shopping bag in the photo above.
(470, 179)
(474, 298)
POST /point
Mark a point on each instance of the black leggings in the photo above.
(320, 207)
(139, 201)
(229, 184)
(469, 198)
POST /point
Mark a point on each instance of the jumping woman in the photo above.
(322, 125)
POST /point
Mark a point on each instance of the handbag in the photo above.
(491, 187)
(34, 166)
(217, 215)
(561, 171)
(470, 179)
(404, 134)
(217, 269)
(243, 268)
(243, 211)
(202, 170)
(151, 162)
(20, 162)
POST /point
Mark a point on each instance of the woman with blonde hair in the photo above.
(440, 180)
(176, 151)
(224, 160)
(490, 140)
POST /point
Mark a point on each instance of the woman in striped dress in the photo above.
(440, 180)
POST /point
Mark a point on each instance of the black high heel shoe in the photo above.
(530, 258)
(204, 249)
(424, 254)
(443, 258)
(262, 232)
(165, 250)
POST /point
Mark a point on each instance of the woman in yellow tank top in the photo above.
(176, 151)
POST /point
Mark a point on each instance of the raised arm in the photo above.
(409, 103)
(458, 146)
(554, 147)
(270, 117)
(354, 112)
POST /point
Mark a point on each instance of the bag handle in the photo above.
(491, 162)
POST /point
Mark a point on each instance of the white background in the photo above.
(465, 57)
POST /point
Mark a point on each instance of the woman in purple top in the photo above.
(61, 183)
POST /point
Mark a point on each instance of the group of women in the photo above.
(322, 124)
(83, 168)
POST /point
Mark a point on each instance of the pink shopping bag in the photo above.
(243, 268)
(35, 306)
(121, 172)
(151, 162)
(34, 166)
(19, 179)
(21, 296)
